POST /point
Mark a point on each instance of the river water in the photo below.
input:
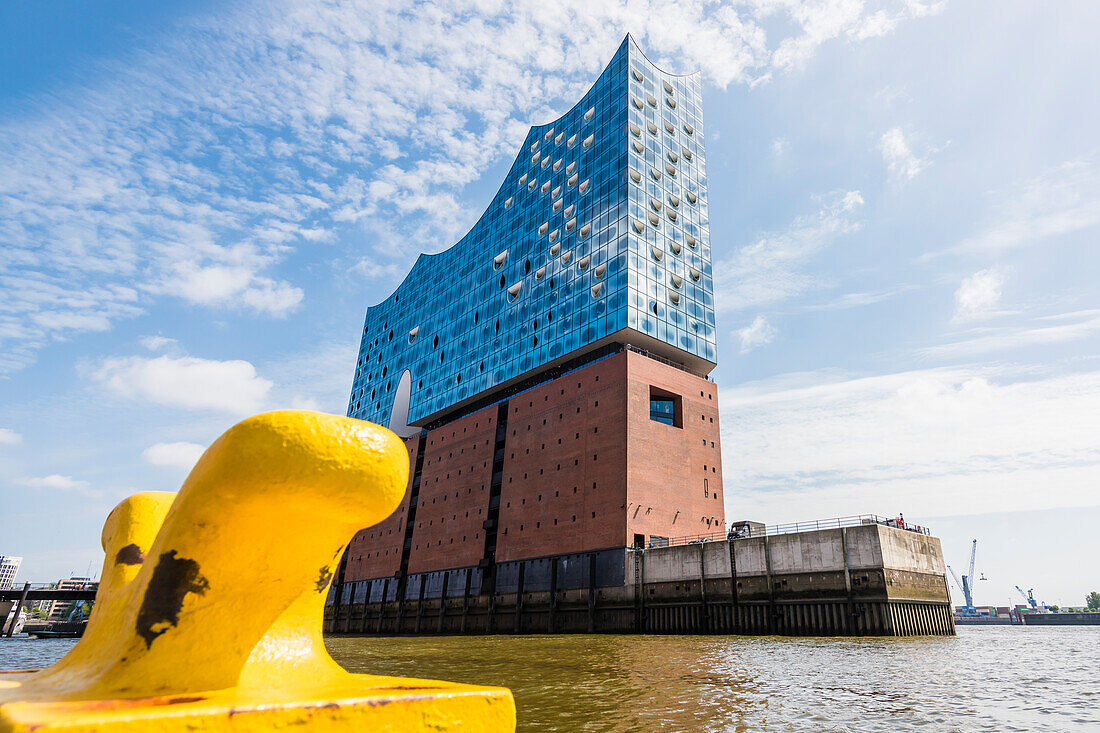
(985, 679)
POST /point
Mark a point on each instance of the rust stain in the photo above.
(119, 704)
(173, 578)
(130, 555)
(323, 578)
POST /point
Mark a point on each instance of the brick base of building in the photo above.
(573, 463)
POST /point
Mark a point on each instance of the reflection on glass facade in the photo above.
(601, 227)
(662, 409)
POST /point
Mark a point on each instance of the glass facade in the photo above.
(601, 227)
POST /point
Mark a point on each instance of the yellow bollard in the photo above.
(208, 615)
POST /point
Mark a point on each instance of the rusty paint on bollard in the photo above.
(208, 615)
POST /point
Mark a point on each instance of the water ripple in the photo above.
(985, 679)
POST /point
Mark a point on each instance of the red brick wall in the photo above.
(667, 465)
(454, 493)
(375, 552)
(564, 481)
(578, 446)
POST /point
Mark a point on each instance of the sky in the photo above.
(199, 200)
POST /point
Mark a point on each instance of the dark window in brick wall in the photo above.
(665, 407)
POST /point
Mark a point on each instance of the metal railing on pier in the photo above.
(741, 532)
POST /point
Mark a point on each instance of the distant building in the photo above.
(59, 610)
(9, 568)
(549, 371)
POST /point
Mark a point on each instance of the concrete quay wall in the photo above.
(864, 580)
(867, 562)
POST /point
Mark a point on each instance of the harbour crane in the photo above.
(966, 585)
(961, 586)
(1029, 597)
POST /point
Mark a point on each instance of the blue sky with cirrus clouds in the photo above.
(199, 200)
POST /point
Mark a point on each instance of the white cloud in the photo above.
(757, 333)
(158, 343)
(854, 300)
(882, 22)
(978, 294)
(219, 285)
(780, 146)
(929, 443)
(192, 166)
(898, 156)
(268, 296)
(10, 437)
(1059, 202)
(176, 455)
(824, 20)
(1038, 332)
(771, 269)
(186, 382)
(55, 481)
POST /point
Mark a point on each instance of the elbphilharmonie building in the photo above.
(549, 370)
(599, 232)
